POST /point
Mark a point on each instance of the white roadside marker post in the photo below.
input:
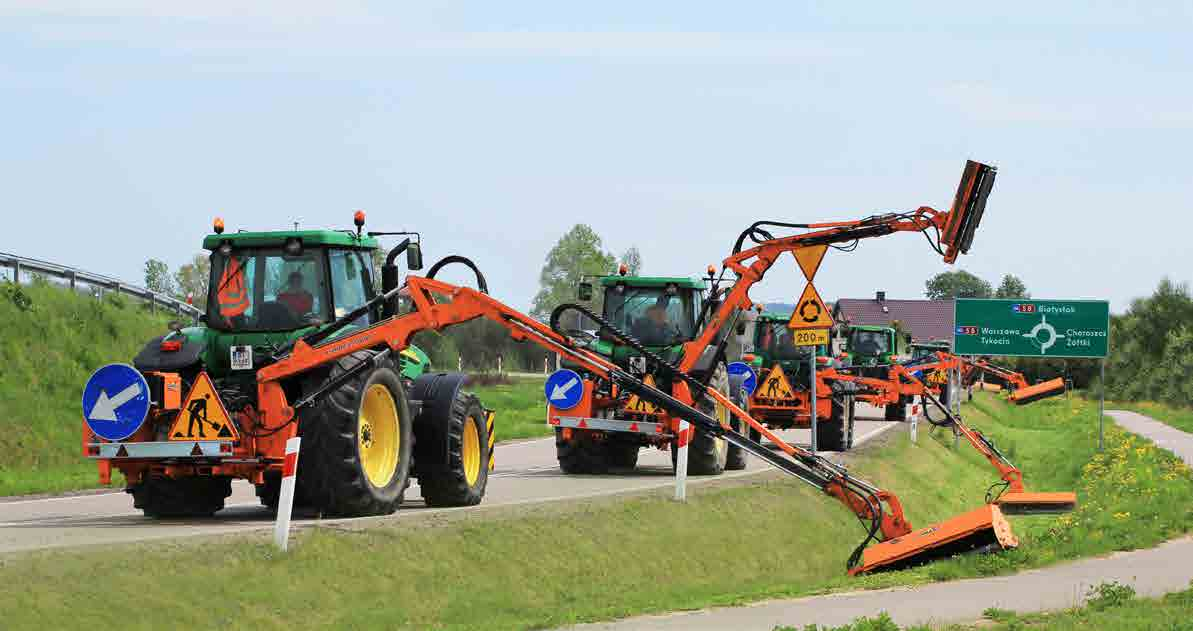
(281, 529)
(681, 461)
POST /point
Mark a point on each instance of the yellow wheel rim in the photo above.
(472, 451)
(722, 414)
(378, 435)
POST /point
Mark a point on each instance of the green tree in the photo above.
(632, 259)
(157, 277)
(192, 279)
(958, 284)
(1011, 287)
(577, 253)
(1151, 346)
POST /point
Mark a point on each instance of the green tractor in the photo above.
(661, 314)
(871, 350)
(773, 346)
(365, 433)
(929, 348)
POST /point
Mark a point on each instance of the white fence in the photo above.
(23, 269)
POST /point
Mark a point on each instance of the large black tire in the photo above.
(837, 433)
(462, 481)
(736, 459)
(583, 454)
(897, 412)
(708, 455)
(331, 466)
(165, 498)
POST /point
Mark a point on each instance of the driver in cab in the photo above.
(653, 329)
(296, 296)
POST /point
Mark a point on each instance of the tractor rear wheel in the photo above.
(837, 433)
(357, 442)
(584, 454)
(463, 480)
(165, 498)
(707, 454)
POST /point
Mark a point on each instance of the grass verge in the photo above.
(47, 351)
(1110, 607)
(554, 565)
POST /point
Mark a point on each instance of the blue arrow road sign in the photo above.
(742, 368)
(564, 389)
(115, 401)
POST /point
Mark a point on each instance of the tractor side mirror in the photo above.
(741, 328)
(414, 256)
(584, 291)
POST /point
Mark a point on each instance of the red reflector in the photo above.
(554, 420)
(226, 448)
(633, 427)
(171, 346)
(583, 423)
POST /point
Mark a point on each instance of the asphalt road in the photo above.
(525, 472)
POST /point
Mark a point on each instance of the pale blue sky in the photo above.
(492, 127)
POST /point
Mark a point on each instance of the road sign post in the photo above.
(812, 388)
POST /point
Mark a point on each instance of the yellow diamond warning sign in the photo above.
(809, 259)
(637, 406)
(810, 311)
(203, 416)
(775, 387)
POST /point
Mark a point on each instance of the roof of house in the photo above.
(924, 319)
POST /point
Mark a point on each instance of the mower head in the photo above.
(981, 530)
(1050, 388)
(970, 202)
(1024, 503)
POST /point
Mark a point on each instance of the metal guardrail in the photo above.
(73, 276)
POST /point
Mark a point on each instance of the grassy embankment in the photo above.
(552, 565)
(50, 348)
(1110, 607)
(47, 352)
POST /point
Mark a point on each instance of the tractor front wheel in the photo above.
(165, 498)
(357, 442)
(736, 460)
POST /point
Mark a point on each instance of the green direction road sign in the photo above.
(1031, 328)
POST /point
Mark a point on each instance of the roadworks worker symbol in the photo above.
(775, 387)
(638, 406)
(810, 311)
(203, 416)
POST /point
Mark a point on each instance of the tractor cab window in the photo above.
(350, 283)
(651, 314)
(869, 342)
(775, 341)
(266, 290)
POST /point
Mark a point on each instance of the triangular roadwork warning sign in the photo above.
(203, 416)
(810, 311)
(809, 259)
(637, 406)
(775, 387)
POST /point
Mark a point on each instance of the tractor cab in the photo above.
(870, 350)
(660, 312)
(921, 350)
(774, 344)
(281, 282)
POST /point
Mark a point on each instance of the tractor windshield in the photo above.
(774, 340)
(869, 342)
(267, 290)
(652, 314)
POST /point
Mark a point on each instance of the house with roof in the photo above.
(925, 320)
